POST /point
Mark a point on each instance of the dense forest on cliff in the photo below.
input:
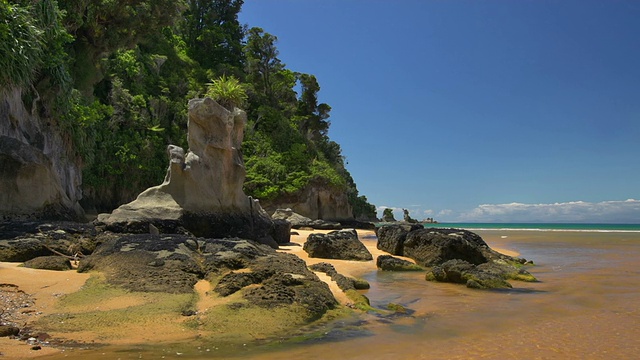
(115, 77)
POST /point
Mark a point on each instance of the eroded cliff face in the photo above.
(316, 201)
(38, 177)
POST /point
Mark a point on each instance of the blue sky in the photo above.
(476, 110)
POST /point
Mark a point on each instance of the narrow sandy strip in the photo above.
(45, 287)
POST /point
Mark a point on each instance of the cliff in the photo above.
(316, 201)
(39, 179)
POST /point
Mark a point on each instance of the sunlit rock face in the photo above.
(39, 175)
(202, 191)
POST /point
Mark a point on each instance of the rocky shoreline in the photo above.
(247, 284)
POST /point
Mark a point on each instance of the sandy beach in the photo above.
(583, 307)
(46, 288)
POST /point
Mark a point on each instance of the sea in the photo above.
(586, 227)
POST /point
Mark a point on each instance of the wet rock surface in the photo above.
(344, 283)
(453, 255)
(390, 263)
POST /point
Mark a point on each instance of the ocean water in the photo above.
(540, 227)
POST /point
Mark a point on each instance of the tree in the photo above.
(312, 116)
(214, 35)
(103, 26)
(262, 63)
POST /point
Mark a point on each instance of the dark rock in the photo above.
(174, 263)
(289, 281)
(435, 246)
(23, 241)
(343, 245)
(166, 263)
(7, 330)
(232, 282)
(58, 263)
(357, 224)
(344, 283)
(485, 276)
(281, 231)
(269, 241)
(391, 238)
(454, 255)
(390, 263)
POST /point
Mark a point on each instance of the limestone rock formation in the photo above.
(317, 202)
(38, 177)
(387, 215)
(463, 252)
(298, 221)
(202, 191)
(343, 244)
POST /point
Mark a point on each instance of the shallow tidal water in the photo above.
(586, 306)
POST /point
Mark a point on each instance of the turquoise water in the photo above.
(541, 227)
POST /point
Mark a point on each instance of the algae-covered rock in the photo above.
(484, 276)
(390, 263)
(343, 244)
(57, 263)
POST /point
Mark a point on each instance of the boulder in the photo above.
(343, 244)
(202, 191)
(281, 232)
(390, 263)
(484, 276)
(298, 221)
(468, 258)
(8, 330)
(391, 237)
(57, 263)
(436, 246)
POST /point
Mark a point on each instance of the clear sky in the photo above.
(476, 110)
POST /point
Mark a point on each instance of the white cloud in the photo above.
(627, 211)
(445, 212)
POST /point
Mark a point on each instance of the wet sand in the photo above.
(585, 306)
